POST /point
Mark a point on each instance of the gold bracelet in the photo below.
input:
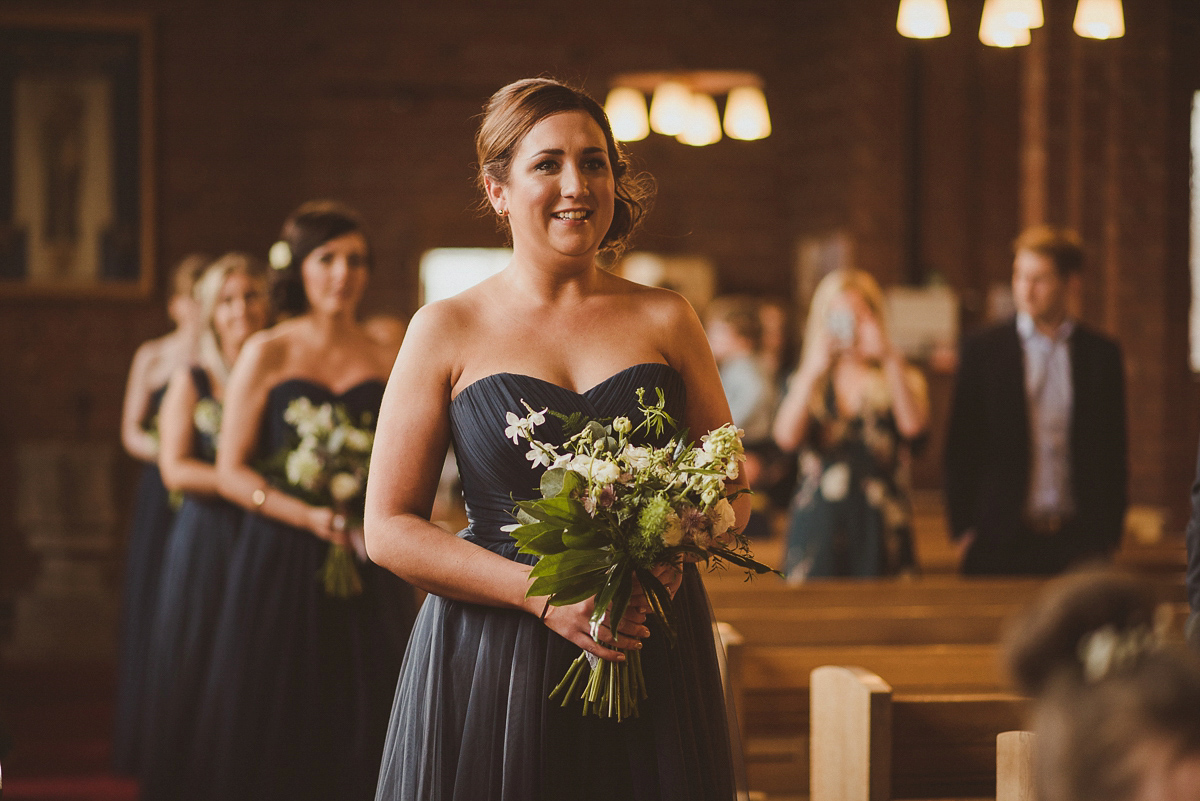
(258, 497)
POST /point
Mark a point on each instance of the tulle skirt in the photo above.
(194, 575)
(297, 694)
(472, 720)
(152, 515)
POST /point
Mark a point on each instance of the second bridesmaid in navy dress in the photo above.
(299, 688)
(233, 300)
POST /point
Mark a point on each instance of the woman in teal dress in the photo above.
(853, 410)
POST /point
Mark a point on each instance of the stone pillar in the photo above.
(66, 513)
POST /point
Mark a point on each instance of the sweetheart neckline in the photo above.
(310, 382)
(584, 393)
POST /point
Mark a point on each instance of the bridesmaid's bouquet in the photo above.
(610, 512)
(328, 467)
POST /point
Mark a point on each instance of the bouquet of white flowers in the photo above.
(610, 511)
(328, 467)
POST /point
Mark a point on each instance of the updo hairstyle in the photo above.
(513, 111)
(310, 226)
(208, 292)
(1105, 687)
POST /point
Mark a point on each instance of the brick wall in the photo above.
(911, 148)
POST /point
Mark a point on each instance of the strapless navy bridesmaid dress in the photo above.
(148, 530)
(471, 720)
(296, 702)
(194, 570)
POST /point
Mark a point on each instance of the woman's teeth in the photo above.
(572, 215)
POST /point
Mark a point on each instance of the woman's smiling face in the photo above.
(560, 190)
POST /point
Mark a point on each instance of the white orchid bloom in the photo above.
(517, 427)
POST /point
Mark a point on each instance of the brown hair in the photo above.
(513, 111)
(741, 314)
(187, 271)
(306, 229)
(1061, 245)
(1091, 722)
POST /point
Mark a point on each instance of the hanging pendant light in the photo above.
(746, 115)
(670, 107)
(922, 19)
(1100, 19)
(1029, 10)
(626, 110)
(703, 126)
(1003, 24)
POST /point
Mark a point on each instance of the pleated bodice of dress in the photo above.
(472, 721)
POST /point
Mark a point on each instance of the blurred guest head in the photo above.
(310, 227)
(1047, 262)
(734, 326)
(1117, 712)
(843, 303)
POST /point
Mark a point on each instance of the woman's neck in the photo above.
(329, 327)
(567, 280)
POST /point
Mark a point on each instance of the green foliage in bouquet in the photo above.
(327, 466)
(610, 511)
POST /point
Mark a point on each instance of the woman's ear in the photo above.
(496, 194)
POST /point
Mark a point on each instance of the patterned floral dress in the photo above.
(851, 515)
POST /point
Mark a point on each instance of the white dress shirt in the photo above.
(1051, 397)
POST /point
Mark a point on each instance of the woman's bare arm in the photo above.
(181, 471)
(138, 442)
(245, 400)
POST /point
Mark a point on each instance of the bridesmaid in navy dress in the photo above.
(153, 365)
(471, 718)
(297, 695)
(234, 304)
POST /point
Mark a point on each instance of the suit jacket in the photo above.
(988, 450)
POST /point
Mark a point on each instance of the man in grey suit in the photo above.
(1035, 459)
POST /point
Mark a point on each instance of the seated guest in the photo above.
(734, 330)
(1116, 712)
(1035, 467)
(853, 409)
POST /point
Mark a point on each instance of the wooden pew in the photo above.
(869, 743)
(1014, 766)
(771, 688)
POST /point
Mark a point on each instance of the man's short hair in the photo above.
(1061, 245)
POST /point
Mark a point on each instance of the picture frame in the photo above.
(76, 156)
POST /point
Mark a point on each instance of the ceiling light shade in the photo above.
(1100, 19)
(626, 110)
(1001, 26)
(670, 107)
(1029, 12)
(746, 115)
(923, 19)
(703, 125)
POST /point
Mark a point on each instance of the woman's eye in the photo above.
(596, 164)
(548, 164)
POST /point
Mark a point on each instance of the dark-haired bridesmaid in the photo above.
(301, 680)
(232, 296)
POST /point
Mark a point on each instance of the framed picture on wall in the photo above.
(76, 152)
